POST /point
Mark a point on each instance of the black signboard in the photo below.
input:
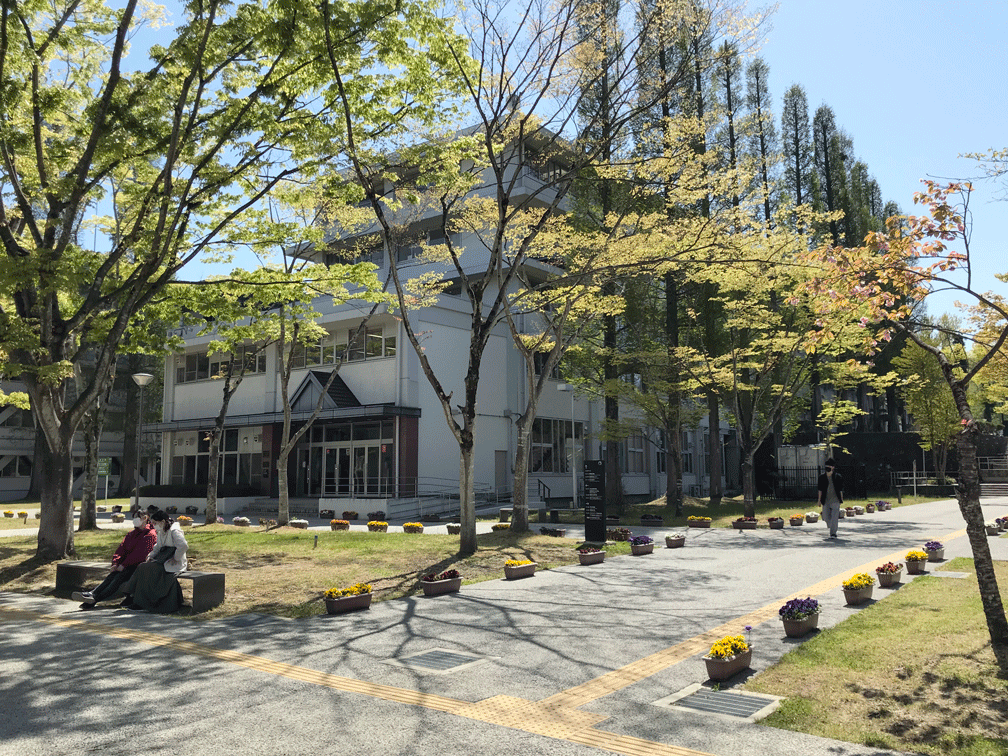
(594, 488)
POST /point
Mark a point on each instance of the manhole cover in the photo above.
(726, 703)
(437, 660)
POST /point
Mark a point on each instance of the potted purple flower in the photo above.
(800, 616)
(641, 545)
(745, 523)
(590, 555)
(448, 581)
(935, 551)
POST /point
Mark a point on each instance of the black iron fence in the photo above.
(802, 483)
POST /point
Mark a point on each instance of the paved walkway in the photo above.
(576, 660)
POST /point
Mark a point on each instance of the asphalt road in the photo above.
(577, 660)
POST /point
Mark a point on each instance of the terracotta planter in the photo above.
(347, 603)
(936, 556)
(595, 557)
(744, 524)
(811, 518)
(439, 587)
(796, 522)
(522, 571)
(695, 524)
(915, 566)
(858, 596)
(722, 669)
(796, 628)
(889, 579)
(675, 543)
(640, 549)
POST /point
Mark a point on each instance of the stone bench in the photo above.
(207, 587)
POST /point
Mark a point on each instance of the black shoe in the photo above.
(127, 603)
(832, 535)
(86, 606)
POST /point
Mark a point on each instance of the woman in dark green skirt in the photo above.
(154, 586)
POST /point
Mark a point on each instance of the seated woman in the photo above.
(154, 586)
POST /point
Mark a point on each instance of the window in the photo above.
(199, 366)
(687, 453)
(706, 453)
(635, 452)
(370, 345)
(550, 446)
(539, 360)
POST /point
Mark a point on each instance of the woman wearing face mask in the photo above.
(154, 586)
(133, 550)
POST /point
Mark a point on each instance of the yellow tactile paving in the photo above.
(558, 716)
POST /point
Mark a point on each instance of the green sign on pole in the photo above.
(104, 465)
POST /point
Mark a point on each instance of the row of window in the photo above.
(550, 447)
(199, 366)
(370, 344)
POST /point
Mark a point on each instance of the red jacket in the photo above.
(135, 546)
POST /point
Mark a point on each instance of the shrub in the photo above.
(859, 581)
(799, 609)
(446, 575)
(353, 590)
(729, 646)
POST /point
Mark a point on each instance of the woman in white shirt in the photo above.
(154, 586)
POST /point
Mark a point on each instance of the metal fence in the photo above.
(802, 483)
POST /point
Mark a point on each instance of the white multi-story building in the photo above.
(381, 441)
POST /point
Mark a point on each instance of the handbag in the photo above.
(164, 554)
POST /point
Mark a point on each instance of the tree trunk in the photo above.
(519, 512)
(213, 475)
(55, 536)
(748, 483)
(38, 472)
(714, 420)
(673, 467)
(92, 437)
(467, 501)
(969, 505)
(283, 508)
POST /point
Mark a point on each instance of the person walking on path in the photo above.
(831, 496)
(132, 552)
(154, 586)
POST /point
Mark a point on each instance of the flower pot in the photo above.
(438, 587)
(858, 596)
(595, 557)
(640, 549)
(454, 528)
(797, 522)
(722, 669)
(8, 514)
(117, 508)
(776, 524)
(675, 543)
(348, 603)
(696, 524)
(169, 510)
(859, 510)
(889, 579)
(849, 511)
(915, 566)
(118, 517)
(811, 518)
(652, 520)
(378, 528)
(870, 509)
(993, 530)
(936, 556)
(796, 628)
(744, 524)
(522, 571)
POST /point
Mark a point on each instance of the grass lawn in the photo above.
(281, 572)
(729, 509)
(914, 672)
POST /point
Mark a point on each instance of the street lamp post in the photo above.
(141, 380)
(570, 387)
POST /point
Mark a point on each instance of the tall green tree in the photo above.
(799, 152)
(763, 143)
(225, 110)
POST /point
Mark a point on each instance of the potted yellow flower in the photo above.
(858, 588)
(728, 657)
(519, 568)
(340, 600)
(694, 521)
(915, 560)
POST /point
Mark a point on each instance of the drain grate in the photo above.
(728, 703)
(437, 660)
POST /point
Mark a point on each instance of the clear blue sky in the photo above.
(915, 83)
